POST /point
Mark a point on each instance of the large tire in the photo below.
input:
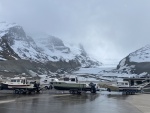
(16, 91)
(46, 87)
(21, 91)
(73, 92)
(133, 92)
(1, 87)
(70, 91)
(78, 92)
(127, 92)
(29, 92)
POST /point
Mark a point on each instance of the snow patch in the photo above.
(4, 27)
(141, 55)
(122, 63)
(88, 71)
(32, 73)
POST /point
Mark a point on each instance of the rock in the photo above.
(136, 62)
(20, 53)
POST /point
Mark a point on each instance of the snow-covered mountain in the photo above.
(20, 46)
(137, 62)
(16, 45)
(56, 50)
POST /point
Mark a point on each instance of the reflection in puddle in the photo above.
(85, 103)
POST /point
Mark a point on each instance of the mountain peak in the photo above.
(40, 47)
(40, 53)
(12, 30)
(141, 55)
(136, 62)
(4, 27)
(55, 41)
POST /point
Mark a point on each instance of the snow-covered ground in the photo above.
(88, 71)
(95, 70)
(103, 71)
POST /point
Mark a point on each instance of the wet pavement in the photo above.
(66, 103)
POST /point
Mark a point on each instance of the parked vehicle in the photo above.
(20, 85)
(47, 82)
(121, 86)
(74, 86)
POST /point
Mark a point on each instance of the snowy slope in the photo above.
(136, 62)
(54, 51)
(19, 45)
(4, 27)
(19, 42)
(57, 50)
(141, 55)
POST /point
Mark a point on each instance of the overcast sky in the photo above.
(108, 29)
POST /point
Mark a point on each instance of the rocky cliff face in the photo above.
(137, 62)
(19, 53)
